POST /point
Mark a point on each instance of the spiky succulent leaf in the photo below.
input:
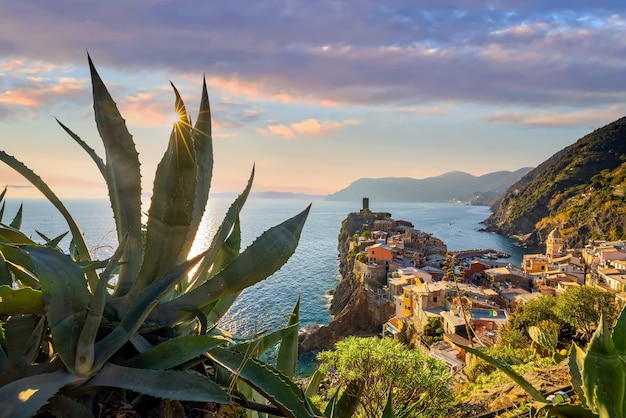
(23, 337)
(35, 180)
(92, 153)
(312, 388)
(85, 347)
(540, 337)
(54, 242)
(344, 406)
(174, 352)
(23, 276)
(65, 296)
(17, 220)
(260, 260)
(603, 378)
(619, 334)
(5, 274)
(266, 380)
(172, 203)
(144, 304)
(123, 178)
(63, 406)
(259, 345)
(21, 301)
(575, 362)
(167, 384)
(529, 388)
(14, 236)
(24, 397)
(287, 358)
(203, 146)
(206, 270)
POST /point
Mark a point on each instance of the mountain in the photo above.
(271, 195)
(447, 187)
(580, 190)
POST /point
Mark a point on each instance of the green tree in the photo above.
(376, 366)
(515, 333)
(582, 306)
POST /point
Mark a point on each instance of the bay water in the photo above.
(312, 270)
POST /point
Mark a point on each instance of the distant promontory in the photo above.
(448, 187)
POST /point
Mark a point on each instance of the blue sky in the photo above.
(316, 93)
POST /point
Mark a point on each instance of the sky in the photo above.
(314, 94)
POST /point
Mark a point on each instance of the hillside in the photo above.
(580, 189)
(447, 187)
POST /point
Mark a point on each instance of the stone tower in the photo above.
(554, 243)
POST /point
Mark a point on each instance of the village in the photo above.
(455, 299)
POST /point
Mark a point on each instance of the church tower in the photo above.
(554, 243)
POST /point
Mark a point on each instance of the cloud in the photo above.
(331, 52)
(306, 128)
(585, 117)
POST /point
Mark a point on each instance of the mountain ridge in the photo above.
(450, 186)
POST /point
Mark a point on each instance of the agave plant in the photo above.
(598, 375)
(143, 323)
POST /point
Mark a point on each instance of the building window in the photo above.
(435, 299)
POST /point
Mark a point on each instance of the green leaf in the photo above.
(314, 384)
(259, 345)
(23, 338)
(65, 407)
(21, 301)
(16, 223)
(203, 145)
(206, 270)
(287, 358)
(166, 384)
(575, 361)
(66, 299)
(54, 242)
(92, 153)
(13, 236)
(534, 393)
(345, 406)
(35, 180)
(174, 352)
(619, 334)
(260, 260)
(123, 178)
(172, 203)
(266, 380)
(388, 411)
(23, 397)
(23, 276)
(85, 347)
(5, 274)
(139, 311)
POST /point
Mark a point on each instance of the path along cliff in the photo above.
(354, 311)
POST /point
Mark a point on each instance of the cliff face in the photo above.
(352, 313)
(579, 190)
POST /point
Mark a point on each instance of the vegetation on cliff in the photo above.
(580, 190)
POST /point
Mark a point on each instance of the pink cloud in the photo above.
(41, 93)
(307, 128)
(546, 119)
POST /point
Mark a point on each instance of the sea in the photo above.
(309, 274)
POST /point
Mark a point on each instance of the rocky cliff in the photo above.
(579, 190)
(353, 313)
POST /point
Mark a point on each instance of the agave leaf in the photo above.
(619, 334)
(35, 180)
(276, 387)
(172, 204)
(85, 347)
(205, 270)
(16, 223)
(23, 338)
(13, 236)
(345, 405)
(167, 384)
(23, 398)
(530, 389)
(203, 145)
(314, 384)
(2, 194)
(54, 242)
(287, 359)
(3, 206)
(259, 261)
(21, 301)
(388, 411)
(575, 361)
(23, 276)
(5, 274)
(260, 344)
(62, 406)
(66, 299)
(139, 311)
(174, 352)
(4, 361)
(123, 179)
(92, 153)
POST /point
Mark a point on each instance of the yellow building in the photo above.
(554, 243)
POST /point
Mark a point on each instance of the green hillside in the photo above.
(580, 189)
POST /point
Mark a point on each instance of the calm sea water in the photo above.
(311, 271)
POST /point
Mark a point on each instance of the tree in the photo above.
(582, 306)
(515, 333)
(375, 366)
